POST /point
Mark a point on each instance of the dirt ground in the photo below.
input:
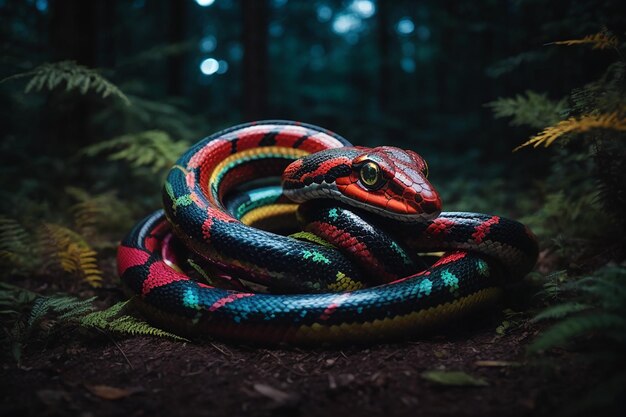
(140, 376)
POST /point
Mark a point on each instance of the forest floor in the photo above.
(136, 376)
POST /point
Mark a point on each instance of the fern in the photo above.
(73, 76)
(615, 121)
(65, 307)
(17, 248)
(572, 327)
(532, 109)
(152, 148)
(64, 311)
(98, 213)
(112, 320)
(560, 311)
(28, 317)
(68, 250)
(604, 95)
(14, 305)
(146, 114)
(605, 292)
(600, 40)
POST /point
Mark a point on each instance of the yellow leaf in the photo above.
(576, 125)
(600, 40)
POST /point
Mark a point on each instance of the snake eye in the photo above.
(369, 174)
(425, 170)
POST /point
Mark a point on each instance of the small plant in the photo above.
(583, 196)
(71, 75)
(94, 214)
(530, 109)
(18, 252)
(595, 311)
(28, 317)
(153, 149)
(64, 248)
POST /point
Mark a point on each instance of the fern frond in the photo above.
(17, 249)
(572, 327)
(73, 76)
(152, 148)
(100, 319)
(110, 320)
(532, 109)
(13, 298)
(614, 121)
(608, 287)
(69, 250)
(560, 311)
(99, 212)
(600, 40)
(603, 95)
(65, 307)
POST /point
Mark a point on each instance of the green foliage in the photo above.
(512, 320)
(532, 109)
(597, 313)
(561, 310)
(584, 195)
(66, 310)
(14, 305)
(64, 307)
(114, 321)
(17, 252)
(553, 285)
(568, 329)
(599, 304)
(73, 76)
(27, 317)
(168, 115)
(604, 95)
(95, 214)
(71, 248)
(154, 149)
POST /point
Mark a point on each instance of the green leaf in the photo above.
(560, 310)
(572, 327)
(532, 109)
(454, 378)
(52, 75)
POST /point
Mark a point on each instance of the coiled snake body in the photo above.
(376, 205)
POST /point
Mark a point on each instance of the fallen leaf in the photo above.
(107, 392)
(453, 378)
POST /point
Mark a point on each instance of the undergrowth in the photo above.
(582, 222)
(30, 319)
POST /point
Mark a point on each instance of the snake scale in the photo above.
(361, 279)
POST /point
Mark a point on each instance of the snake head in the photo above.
(389, 181)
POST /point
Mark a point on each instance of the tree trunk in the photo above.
(384, 69)
(255, 15)
(72, 37)
(176, 35)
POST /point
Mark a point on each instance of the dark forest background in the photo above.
(99, 98)
(407, 73)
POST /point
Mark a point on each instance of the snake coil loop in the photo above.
(376, 204)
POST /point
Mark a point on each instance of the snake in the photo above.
(378, 259)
